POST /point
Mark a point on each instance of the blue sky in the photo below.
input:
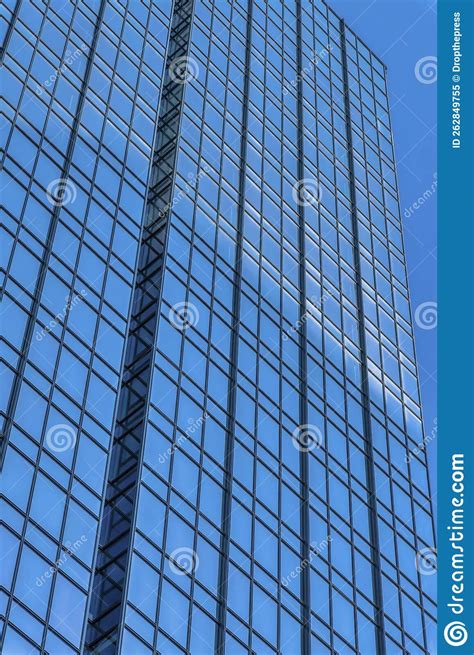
(402, 33)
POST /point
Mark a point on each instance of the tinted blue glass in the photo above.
(212, 406)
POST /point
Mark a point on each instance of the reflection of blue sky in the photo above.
(401, 33)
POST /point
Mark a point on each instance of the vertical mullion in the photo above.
(222, 586)
(117, 522)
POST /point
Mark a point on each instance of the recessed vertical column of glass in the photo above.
(102, 102)
(175, 557)
(302, 195)
(110, 582)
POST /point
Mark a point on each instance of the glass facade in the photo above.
(210, 406)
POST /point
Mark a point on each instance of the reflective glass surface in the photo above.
(205, 268)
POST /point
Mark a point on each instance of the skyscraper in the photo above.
(211, 411)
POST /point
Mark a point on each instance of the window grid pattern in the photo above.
(308, 89)
(334, 397)
(100, 96)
